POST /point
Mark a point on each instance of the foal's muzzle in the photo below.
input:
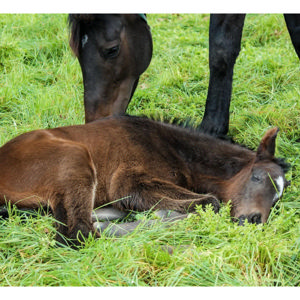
(254, 218)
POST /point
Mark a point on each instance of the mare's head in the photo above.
(113, 51)
(258, 186)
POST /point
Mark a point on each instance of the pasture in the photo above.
(41, 87)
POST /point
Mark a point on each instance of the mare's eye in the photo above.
(111, 52)
(256, 178)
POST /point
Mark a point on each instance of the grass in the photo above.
(41, 87)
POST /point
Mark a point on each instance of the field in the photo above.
(41, 87)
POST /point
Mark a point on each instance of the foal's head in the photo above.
(258, 186)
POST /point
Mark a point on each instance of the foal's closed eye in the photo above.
(256, 178)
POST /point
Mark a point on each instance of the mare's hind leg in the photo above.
(293, 25)
(137, 191)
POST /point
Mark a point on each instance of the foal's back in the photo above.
(127, 133)
(156, 146)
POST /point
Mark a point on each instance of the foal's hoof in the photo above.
(169, 214)
(107, 214)
(122, 229)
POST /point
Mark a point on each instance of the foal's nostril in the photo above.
(254, 218)
(242, 219)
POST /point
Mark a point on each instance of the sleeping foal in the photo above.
(142, 164)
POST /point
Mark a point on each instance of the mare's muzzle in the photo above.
(254, 218)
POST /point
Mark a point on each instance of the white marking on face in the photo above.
(84, 40)
(280, 186)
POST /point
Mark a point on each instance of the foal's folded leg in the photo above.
(139, 192)
(108, 213)
(73, 199)
(122, 229)
(174, 197)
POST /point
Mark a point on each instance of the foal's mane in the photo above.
(193, 126)
(189, 124)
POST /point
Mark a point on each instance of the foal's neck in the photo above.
(207, 155)
(213, 162)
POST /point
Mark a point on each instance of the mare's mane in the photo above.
(75, 22)
(74, 25)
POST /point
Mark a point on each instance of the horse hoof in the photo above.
(170, 214)
(215, 204)
(107, 214)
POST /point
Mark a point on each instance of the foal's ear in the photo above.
(266, 148)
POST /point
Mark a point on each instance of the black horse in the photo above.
(225, 34)
(113, 50)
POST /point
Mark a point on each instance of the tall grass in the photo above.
(41, 87)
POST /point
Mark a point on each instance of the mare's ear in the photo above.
(266, 148)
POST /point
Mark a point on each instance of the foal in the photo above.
(142, 164)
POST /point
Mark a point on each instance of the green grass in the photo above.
(41, 87)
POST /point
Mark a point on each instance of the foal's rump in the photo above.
(39, 169)
(31, 164)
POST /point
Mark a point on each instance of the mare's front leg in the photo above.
(225, 33)
(293, 25)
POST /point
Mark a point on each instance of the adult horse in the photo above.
(225, 33)
(113, 50)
